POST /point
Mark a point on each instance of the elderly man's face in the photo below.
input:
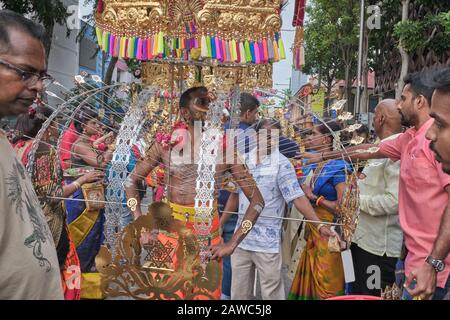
(27, 54)
(439, 132)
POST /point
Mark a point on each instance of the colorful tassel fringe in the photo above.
(207, 46)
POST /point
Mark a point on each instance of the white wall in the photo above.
(63, 62)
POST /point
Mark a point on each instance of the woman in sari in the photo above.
(86, 221)
(320, 272)
(47, 183)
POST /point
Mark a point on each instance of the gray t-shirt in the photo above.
(28, 263)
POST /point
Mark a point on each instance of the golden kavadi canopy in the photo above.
(224, 32)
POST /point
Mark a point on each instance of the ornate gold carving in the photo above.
(256, 76)
(391, 293)
(161, 265)
(241, 19)
(128, 17)
(161, 75)
(168, 76)
(253, 19)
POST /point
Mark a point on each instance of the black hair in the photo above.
(248, 102)
(29, 124)
(189, 94)
(333, 125)
(83, 117)
(417, 82)
(440, 80)
(363, 130)
(10, 20)
(267, 122)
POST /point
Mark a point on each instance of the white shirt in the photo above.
(278, 184)
(378, 230)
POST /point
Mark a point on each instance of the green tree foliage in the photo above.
(331, 41)
(431, 31)
(321, 48)
(48, 13)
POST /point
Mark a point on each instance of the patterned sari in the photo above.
(86, 228)
(320, 273)
(47, 183)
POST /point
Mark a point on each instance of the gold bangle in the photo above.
(319, 199)
(132, 204)
(246, 226)
(76, 184)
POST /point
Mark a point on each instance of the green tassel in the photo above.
(208, 45)
(282, 51)
(99, 36)
(248, 54)
(105, 41)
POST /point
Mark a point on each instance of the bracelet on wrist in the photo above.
(319, 201)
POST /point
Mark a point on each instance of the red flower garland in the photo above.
(169, 140)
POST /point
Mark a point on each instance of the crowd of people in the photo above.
(50, 236)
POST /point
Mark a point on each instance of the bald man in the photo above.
(378, 237)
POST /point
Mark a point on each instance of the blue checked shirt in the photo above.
(277, 182)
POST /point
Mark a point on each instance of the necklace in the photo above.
(316, 174)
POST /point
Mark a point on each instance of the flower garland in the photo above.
(176, 137)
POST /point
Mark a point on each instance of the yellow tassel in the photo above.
(99, 37)
(204, 47)
(160, 43)
(282, 51)
(233, 50)
(122, 47)
(276, 53)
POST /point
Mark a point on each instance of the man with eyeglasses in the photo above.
(28, 262)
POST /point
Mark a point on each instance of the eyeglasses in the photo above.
(30, 78)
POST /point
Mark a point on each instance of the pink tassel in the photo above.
(257, 56)
(218, 51)
(114, 46)
(144, 50)
(139, 50)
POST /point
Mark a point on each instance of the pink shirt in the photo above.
(422, 198)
